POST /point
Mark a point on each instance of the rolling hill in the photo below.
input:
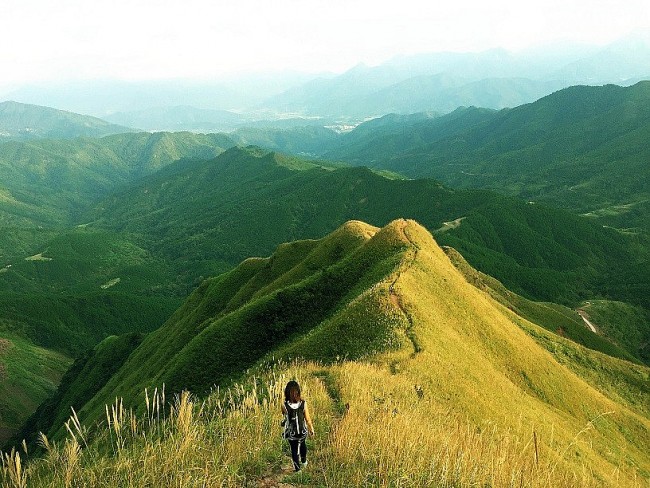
(582, 148)
(19, 121)
(47, 182)
(28, 376)
(399, 339)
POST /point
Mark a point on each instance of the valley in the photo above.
(221, 264)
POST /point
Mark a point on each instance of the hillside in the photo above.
(401, 339)
(179, 118)
(582, 148)
(142, 250)
(28, 376)
(19, 121)
(205, 217)
(46, 182)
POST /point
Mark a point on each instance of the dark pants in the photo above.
(298, 447)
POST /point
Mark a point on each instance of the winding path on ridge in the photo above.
(395, 298)
(275, 478)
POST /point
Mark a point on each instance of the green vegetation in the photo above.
(138, 252)
(85, 377)
(204, 217)
(554, 317)
(627, 325)
(51, 181)
(582, 148)
(28, 375)
(496, 399)
(301, 140)
(82, 286)
(22, 122)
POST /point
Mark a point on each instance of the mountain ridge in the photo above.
(22, 121)
(407, 334)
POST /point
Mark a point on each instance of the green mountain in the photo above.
(147, 246)
(20, 121)
(582, 148)
(47, 182)
(204, 217)
(307, 140)
(389, 334)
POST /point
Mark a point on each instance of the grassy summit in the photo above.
(444, 385)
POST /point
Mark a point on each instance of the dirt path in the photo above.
(396, 299)
(585, 318)
(276, 478)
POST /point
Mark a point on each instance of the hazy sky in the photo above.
(140, 39)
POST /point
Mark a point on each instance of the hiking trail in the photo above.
(394, 296)
(275, 478)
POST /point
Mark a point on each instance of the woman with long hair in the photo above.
(297, 423)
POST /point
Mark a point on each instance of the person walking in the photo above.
(297, 423)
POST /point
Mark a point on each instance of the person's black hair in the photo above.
(292, 392)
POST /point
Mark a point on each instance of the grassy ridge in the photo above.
(485, 398)
(196, 351)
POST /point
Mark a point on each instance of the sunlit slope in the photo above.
(560, 319)
(473, 358)
(444, 385)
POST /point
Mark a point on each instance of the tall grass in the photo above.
(394, 435)
(229, 439)
(373, 429)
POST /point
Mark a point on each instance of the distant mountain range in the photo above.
(442, 82)
(438, 82)
(584, 148)
(179, 118)
(19, 121)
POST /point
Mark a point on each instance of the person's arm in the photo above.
(310, 426)
(284, 409)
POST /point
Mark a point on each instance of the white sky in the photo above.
(144, 39)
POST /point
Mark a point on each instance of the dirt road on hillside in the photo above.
(585, 317)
